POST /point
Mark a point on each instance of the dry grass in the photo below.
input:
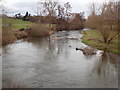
(20, 34)
(40, 30)
(7, 30)
(7, 35)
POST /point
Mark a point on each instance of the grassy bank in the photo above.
(16, 24)
(93, 38)
(11, 30)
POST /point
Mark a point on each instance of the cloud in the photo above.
(25, 4)
(22, 6)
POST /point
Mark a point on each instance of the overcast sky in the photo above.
(22, 6)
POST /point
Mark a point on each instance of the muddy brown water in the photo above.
(53, 62)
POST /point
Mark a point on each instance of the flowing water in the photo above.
(53, 62)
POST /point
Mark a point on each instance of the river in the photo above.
(53, 62)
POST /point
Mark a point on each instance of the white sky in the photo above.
(22, 6)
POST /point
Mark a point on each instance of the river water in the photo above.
(53, 62)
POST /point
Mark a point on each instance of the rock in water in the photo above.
(79, 49)
(89, 51)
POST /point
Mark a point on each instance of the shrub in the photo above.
(40, 30)
(7, 33)
(21, 34)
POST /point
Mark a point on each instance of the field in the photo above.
(17, 23)
(94, 38)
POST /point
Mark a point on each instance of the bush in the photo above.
(21, 34)
(7, 36)
(40, 30)
(7, 33)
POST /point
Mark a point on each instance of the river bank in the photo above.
(53, 62)
(94, 38)
(14, 29)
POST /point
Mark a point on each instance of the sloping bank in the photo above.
(93, 38)
(13, 29)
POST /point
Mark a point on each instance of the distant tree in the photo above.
(92, 21)
(38, 11)
(78, 21)
(26, 17)
(49, 8)
(92, 9)
(67, 9)
(18, 16)
(56, 12)
(60, 9)
(64, 12)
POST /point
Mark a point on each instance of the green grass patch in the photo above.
(17, 23)
(94, 38)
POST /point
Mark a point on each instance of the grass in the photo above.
(8, 33)
(93, 38)
(10, 30)
(17, 24)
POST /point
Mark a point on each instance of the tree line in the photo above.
(54, 12)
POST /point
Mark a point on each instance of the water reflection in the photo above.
(50, 62)
(107, 65)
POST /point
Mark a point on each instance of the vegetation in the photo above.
(14, 29)
(39, 30)
(16, 23)
(9, 35)
(24, 18)
(59, 14)
(94, 39)
(56, 16)
(105, 19)
(78, 22)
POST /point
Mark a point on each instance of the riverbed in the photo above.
(53, 62)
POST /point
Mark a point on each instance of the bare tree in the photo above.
(92, 9)
(78, 22)
(49, 8)
(107, 21)
(61, 12)
(67, 10)
(64, 12)
(38, 11)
